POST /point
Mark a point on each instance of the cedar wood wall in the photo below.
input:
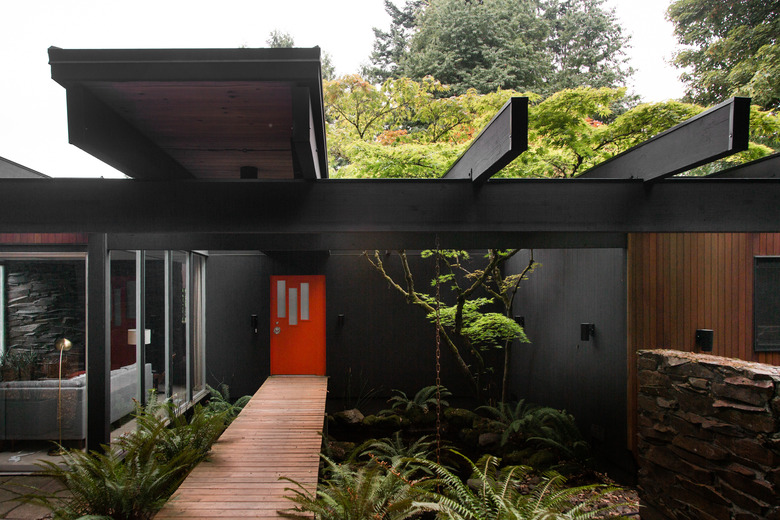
(680, 282)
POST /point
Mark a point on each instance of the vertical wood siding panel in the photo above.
(703, 302)
(650, 290)
(670, 289)
(721, 307)
(727, 318)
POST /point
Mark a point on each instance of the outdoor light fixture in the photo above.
(253, 320)
(340, 321)
(704, 339)
(63, 345)
(587, 331)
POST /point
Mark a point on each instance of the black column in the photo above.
(98, 342)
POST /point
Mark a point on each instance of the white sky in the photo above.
(33, 120)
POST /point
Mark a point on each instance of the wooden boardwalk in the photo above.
(277, 434)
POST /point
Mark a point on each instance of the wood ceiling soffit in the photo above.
(715, 133)
(210, 126)
(100, 131)
(499, 143)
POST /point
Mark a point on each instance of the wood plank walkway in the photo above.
(277, 434)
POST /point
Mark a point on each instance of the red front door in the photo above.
(298, 325)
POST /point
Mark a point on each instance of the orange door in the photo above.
(298, 325)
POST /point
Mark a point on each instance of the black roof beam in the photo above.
(715, 133)
(765, 168)
(501, 141)
(306, 163)
(372, 213)
(99, 131)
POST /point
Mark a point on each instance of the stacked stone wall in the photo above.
(709, 446)
(45, 301)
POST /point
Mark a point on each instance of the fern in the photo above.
(497, 495)
(373, 491)
(422, 402)
(134, 478)
(219, 402)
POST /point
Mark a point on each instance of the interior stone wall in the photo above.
(46, 301)
(709, 446)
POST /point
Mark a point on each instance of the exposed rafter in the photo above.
(98, 130)
(765, 168)
(304, 142)
(713, 134)
(502, 140)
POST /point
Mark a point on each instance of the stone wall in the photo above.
(45, 301)
(709, 446)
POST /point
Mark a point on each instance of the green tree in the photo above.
(585, 46)
(539, 45)
(279, 40)
(466, 319)
(729, 48)
(390, 46)
(410, 129)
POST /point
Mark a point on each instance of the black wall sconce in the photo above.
(704, 339)
(587, 331)
(253, 320)
(340, 321)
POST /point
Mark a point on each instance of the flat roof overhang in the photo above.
(385, 214)
(196, 113)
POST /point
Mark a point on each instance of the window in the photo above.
(2, 310)
(766, 304)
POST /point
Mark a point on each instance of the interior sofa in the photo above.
(28, 409)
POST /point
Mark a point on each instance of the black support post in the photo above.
(98, 342)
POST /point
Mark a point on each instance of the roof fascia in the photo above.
(715, 133)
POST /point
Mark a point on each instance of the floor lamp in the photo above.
(63, 345)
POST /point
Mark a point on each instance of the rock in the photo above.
(460, 417)
(489, 439)
(352, 416)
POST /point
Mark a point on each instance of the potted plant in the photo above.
(26, 361)
(9, 370)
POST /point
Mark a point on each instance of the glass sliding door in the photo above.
(178, 326)
(156, 345)
(124, 381)
(198, 313)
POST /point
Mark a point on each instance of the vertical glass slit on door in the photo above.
(304, 301)
(281, 303)
(293, 299)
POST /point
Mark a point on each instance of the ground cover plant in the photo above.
(507, 461)
(133, 478)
